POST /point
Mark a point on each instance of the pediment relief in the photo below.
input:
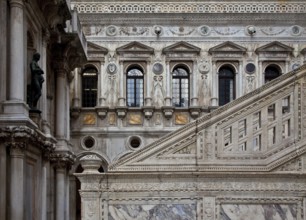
(181, 47)
(274, 47)
(227, 47)
(135, 48)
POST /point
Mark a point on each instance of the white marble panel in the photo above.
(258, 212)
(152, 212)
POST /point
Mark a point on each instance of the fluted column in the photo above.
(260, 75)
(168, 84)
(239, 84)
(16, 193)
(148, 99)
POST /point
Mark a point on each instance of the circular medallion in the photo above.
(158, 68)
(295, 66)
(204, 30)
(111, 30)
(111, 68)
(250, 68)
(204, 68)
(296, 30)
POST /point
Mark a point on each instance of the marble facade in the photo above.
(244, 160)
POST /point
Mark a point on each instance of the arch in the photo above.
(90, 66)
(181, 65)
(104, 158)
(226, 84)
(135, 65)
(272, 71)
(134, 86)
(180, 86)
(89, 86)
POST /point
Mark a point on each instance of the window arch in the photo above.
(89, 87)
(271, 72)
(134, 87)
(226, 85)
(180, 87)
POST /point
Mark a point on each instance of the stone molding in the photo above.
(190, 7)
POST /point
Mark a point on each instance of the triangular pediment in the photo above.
(95, 48)
(274, 47)
(181, 47)
(135, 47)
(227, 47)
(202, 145)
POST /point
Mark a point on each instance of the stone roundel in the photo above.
(158, 68)
(111, 68)
(111, 30)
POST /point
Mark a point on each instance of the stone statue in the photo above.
(36, 80)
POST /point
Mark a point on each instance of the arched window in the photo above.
(226, 85)
(180, 87)
(89, 87)
(271, 73)
(134, 87)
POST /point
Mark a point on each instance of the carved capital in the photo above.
(17, 3)
(62, 159)
(17, 149)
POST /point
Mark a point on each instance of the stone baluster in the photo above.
(16, 193)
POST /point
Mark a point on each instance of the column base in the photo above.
(16, 108)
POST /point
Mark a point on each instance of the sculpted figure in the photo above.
(36, 80)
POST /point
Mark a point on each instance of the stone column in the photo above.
(3, 53)
(16, 193)
(16, 76)
(214, 85)
(3, 180)
(76, 89)
(194, 99)
(72, 197)
(67, 195)
(44, 194)
(168, 85)
(60, 103)
(60, 188)
(121, 86)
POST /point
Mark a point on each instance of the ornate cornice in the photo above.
(20, 136)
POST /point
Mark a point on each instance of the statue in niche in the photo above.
(36, 80)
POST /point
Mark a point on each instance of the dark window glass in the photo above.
(134, 87)
(180, 88)
(89, 87)
(226, 85)
(271, 73)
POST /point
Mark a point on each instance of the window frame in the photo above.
(231, 91)
(135, 78)
(180, 78)
(90, 82)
